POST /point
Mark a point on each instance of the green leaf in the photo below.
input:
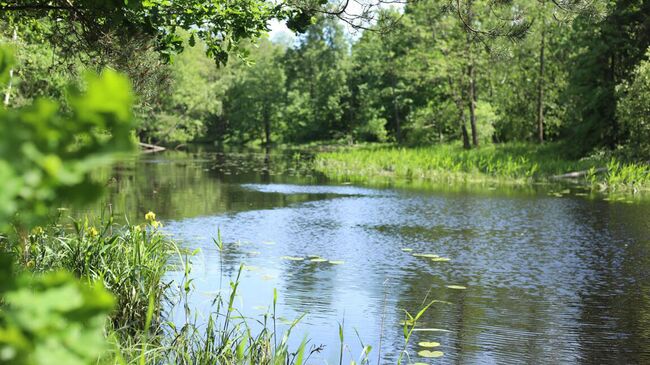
(430, 354)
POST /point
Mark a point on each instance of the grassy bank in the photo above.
(127, 266)
(506, 163)
(101, 293)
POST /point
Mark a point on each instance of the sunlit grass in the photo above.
(516, 163)
(153, 321)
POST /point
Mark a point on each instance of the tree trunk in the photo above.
(540, 88)
(267, 133)
(463, 129)
(471, 94)
(398, 127)
(458, 99)
(472, 105)
(11, 74)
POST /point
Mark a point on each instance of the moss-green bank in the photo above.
(503, 163)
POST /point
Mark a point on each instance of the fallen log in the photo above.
(150, 148)
(578, 174)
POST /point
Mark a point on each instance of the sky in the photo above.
(281, 34)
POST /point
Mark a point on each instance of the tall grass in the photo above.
(515, 163)
(130, 261)
(621, 176)
(154, 321)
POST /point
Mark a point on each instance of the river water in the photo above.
(548, 277)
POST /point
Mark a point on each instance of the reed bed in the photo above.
(516, 163)
(133, 262)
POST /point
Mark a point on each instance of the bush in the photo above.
(633, 110)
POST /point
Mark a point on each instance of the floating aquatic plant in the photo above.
(457, 287)
(428, 353)
(428, 344)
(292, 258)
(426, 255)
(440, 259)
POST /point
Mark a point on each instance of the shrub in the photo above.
(633, 110)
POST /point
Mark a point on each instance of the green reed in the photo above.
(514, 163)
(153, 321)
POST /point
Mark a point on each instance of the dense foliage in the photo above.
(442, 72)
(46, 156)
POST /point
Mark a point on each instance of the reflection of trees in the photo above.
(181, 185)
(615, 303)
(308, 284)
(561, 301)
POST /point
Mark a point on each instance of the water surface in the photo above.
(549, 279)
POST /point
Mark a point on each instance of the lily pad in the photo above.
(407, 249)
(429, 344)
(427, 353)
(318, 260)
(337, 262)
(427, 255)
(292, 258)
(440, 259)
(458, 287)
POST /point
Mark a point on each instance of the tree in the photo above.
(316, 72)
(370, 111)
(633, 110)
(605, 54)
(91, 24)
(188, 104)
(256, 100)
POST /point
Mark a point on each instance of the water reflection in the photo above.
(549, 280)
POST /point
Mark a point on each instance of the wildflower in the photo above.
(156, 224)
(92, 232)
(150, 217)
(137, 229)
(37, 231)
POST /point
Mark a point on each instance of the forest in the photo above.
(324, 182)
(424, 73)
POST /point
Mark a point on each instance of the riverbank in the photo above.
(105, 294)
(128, 290)
(518, 163)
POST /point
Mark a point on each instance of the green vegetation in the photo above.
(95, 292)
(440, 83)
(508, 163)
(131, 263)
(425, 74)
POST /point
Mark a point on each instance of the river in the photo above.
(533, 276)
